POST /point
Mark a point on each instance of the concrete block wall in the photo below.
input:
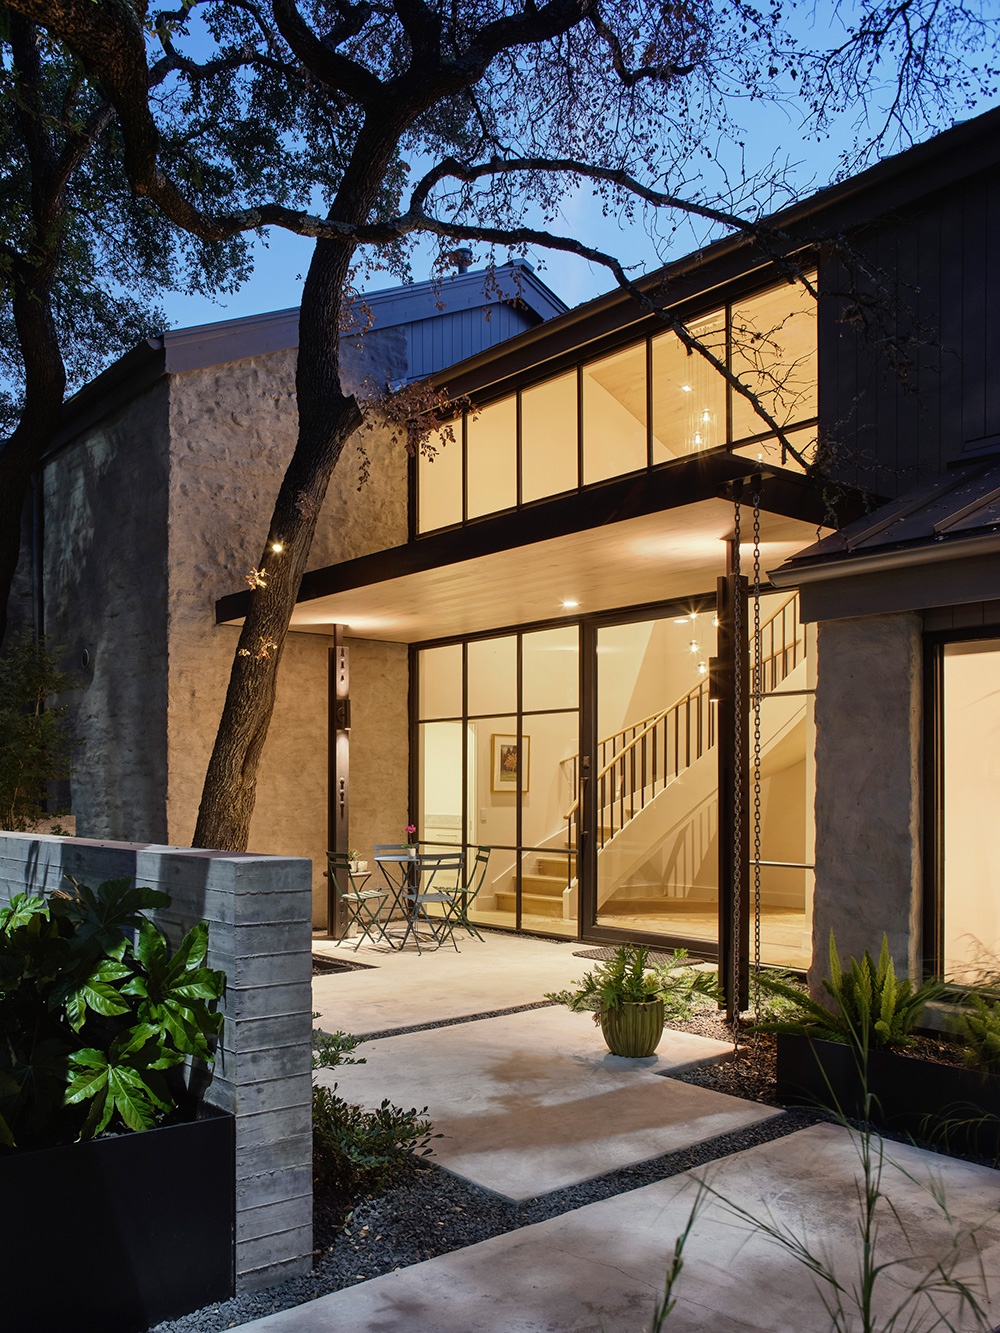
(258, 910)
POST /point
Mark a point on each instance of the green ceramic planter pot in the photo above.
(634, 1029)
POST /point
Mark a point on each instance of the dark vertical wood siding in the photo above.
(938, 260)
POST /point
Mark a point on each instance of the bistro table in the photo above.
(399, 872)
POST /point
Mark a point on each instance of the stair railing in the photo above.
(657, 750)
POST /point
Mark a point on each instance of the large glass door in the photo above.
(653, 806)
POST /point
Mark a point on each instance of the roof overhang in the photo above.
(947, 573)
(651, 538)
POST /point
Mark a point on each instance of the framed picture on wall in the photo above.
(510, 768)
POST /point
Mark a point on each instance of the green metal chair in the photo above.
(362, 905)
(477, 877)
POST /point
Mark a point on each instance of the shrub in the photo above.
(91, 1019)
(873, 1006)
(980, 1032)
(356, 1151)
(628, 978)
(34, 746)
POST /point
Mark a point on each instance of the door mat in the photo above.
(605, 954)
(322, 964)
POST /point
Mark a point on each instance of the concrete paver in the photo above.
(401, 988)
(599, 1268)
(533, 1102)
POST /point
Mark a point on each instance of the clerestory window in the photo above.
(641, 406)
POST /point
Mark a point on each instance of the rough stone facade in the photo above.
(151, 516)
(106, 594)
(232, 431)
(868, 788)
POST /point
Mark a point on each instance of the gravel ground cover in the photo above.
(429, 1212)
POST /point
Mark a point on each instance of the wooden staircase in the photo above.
(541, 891)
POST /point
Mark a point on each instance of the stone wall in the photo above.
(232, 432)
(868, 788)
(105, 554)
(258, 914)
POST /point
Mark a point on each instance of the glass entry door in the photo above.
(653, 805)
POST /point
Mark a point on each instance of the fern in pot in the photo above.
(631, 1000)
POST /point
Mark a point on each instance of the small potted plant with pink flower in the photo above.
(411, 839)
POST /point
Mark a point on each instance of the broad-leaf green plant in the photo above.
(94, 1012)
(629, 978)
(872, 1007)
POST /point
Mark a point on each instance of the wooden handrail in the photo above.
(649, 724)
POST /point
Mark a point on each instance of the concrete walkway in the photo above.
(529, 1102)
(600, 1268)
(533, 1102)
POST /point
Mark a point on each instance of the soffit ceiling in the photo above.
(657, 557)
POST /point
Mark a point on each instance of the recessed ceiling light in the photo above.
(685, 388)
(569, 604)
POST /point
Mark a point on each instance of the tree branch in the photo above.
(317, 54)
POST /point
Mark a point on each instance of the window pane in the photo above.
(493, 675)
(440, 676)
(971, 793)
(491, 795)
(548, 438)
(492, 465)
(614, 414)
(439, 482)
(551, 743)
(440, 760)
(689, 394)
(774, 355)
(550, 668)
(769, 450)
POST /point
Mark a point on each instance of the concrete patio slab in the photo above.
(600, 1268)
(533, 1102)
(401, 988)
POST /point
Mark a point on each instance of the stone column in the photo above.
(868, 789)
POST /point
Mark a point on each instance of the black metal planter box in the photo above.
(941, 1103)
(117, 1234)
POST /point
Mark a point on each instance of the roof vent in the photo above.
(462, 259)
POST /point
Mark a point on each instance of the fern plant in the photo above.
(628, 978)
(873, 1007)
(980, 1032)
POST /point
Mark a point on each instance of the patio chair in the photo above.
(477, 877)
(362, 905)
(433, 891)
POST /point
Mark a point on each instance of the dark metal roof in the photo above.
(957, 506)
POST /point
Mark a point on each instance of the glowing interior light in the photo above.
(715, 623)
(277, 548)
(697, 439)
(693, 646)
(680, 620)
(685, 388)
(694, 615)
(702, 668)
(706, 416)
(569, 604)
